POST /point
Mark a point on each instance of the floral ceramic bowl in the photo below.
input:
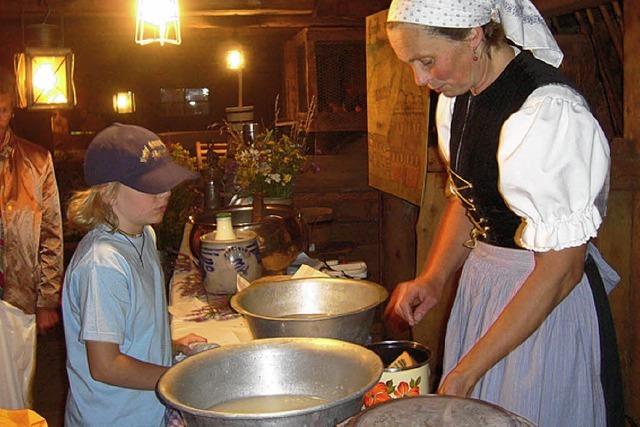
(406, 373)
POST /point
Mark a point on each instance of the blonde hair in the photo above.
(92, 207)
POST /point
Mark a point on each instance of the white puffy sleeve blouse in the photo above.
(553, 161)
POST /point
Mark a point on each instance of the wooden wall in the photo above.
(108, 60)
(341, 184)
(631, 157)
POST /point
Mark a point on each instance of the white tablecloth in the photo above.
(192, 310)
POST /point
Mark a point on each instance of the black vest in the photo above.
(475, 131)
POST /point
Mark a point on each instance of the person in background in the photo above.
(114, 301)
(528, 164)
(31, 255)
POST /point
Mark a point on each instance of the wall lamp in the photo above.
(124, 102)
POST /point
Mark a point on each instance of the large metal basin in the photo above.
(313, 307)
(281, 233)
(337, 372)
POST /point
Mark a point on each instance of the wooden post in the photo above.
(240, 87)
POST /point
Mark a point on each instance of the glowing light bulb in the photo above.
(44, 78)
(235, 60)
(158, 12)
(123, 102)
(158, 21)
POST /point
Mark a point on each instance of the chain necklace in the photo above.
(139, 252)
(464, 127)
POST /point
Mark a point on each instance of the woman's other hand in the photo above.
(457, 383)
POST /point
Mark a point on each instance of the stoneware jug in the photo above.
(221, 260)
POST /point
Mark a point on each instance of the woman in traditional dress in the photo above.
(528, 164)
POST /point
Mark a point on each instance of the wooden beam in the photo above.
(249, 7)
(246, 12)
(614, 31)
(274, 22)
(550, 8)
(116, 8)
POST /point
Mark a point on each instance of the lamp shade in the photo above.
(45, 78)
(158, 21)
(124, 102)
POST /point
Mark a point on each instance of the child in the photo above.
(114, 305)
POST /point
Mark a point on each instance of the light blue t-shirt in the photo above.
(109, 295)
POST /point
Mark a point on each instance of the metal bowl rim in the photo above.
(499, 409)
(290, 213)
(298, 341)
(382, 293)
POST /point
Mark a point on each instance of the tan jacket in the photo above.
(30, 208)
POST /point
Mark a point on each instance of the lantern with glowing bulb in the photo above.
(158, 21)
(44, 71)
(124, 102)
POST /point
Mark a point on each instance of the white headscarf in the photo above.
(520, 19)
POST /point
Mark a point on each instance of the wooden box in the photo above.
(328, 64)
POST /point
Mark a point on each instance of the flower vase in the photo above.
(278, 201)
(258, 207)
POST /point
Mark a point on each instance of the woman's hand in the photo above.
(411, 301)
(182, 344)
(457, 383)
(555, 275)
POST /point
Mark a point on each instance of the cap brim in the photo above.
(161, 179)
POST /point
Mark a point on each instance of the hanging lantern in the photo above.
(158, 21)
(124, 102)
(44, 71)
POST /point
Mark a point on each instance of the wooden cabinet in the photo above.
(328, 64)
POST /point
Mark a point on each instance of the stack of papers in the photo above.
(354, 270)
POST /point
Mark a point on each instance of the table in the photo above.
(192, 310)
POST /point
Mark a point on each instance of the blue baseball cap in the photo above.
(135, 157)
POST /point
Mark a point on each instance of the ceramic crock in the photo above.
(222, 260)
(397, 382)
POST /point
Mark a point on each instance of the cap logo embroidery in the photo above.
(153, 150)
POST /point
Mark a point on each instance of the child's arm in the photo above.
(108, 365)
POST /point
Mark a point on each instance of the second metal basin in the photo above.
(313, 307)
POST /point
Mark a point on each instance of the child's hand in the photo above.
(182, 344)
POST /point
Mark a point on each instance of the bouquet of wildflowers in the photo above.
(269, 164)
